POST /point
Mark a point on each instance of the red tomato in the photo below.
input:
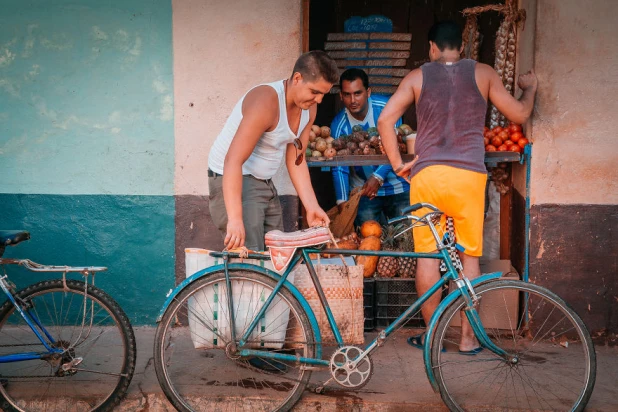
(485, 141)
(490, 148)
(497, 129)
(516, 136)
(514, 128)
(496, 141)
(515, 148)
(504, 135)
(489, 134)
(523, 142)
(503, 148)
(485, 129)
(508, 143)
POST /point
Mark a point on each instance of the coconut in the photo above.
(330, 153)
(320, 144)
(312, 136)
(316, 130)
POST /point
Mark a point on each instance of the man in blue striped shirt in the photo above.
(384, 194)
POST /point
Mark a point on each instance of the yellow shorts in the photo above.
(460, 194)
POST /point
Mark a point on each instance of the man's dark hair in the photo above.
(352, 74)
(317, 64)
(446, 35)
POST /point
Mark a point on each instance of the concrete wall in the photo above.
(87, 141)
(221, 50)
(575, 122)
(574, 213)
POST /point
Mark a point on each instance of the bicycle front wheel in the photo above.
(195, 360)
(97, 361)
(551, 363)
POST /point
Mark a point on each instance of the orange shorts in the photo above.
(460, 194)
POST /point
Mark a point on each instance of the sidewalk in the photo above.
(398, 383)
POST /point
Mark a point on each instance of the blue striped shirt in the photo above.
(342, 177)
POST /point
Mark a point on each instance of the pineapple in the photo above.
(388, 266)
(407, 266)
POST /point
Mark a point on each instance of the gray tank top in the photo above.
(450, 115)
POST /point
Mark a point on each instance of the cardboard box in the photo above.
(499, 310)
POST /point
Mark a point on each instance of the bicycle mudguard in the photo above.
(245, 266)
(450, 298)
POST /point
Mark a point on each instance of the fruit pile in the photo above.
(375, 237)
(507, 139)
(359, 142)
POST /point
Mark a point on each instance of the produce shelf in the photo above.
(491, 158)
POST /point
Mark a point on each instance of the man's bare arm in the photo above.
(260, 113)
(516, 110)
(394, 109)
(299, 174)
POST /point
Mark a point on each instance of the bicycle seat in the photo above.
(13, 237)
(300, 238)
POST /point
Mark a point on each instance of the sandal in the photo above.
(417, 342)
(471, 352)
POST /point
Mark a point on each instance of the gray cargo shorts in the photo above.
(261, 210)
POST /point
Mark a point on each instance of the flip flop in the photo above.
(417, 342)
(471, 352)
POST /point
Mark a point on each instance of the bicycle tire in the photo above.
(101, 379)
(553, 363)
(192, 365)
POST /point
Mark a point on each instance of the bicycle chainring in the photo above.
(345, 373)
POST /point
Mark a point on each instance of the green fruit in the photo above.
(357, 128)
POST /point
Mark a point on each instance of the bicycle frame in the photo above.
(35, 325)
(464, 288)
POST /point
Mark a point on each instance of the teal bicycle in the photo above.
(238, 336)
(64, 343)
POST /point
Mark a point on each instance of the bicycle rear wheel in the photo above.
(88, 326)
(551, 363)
(194, 361)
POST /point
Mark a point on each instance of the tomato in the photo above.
(504, 135)
(497, 129)
(515, 148)
(523, 142)
(503, 148)
(485, 129)
(514, 128)
(496, 141)
(485, 141)
(489, 134)
(516, 136)
(508, 143)
(490, 148)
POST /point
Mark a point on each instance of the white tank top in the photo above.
(270, 149)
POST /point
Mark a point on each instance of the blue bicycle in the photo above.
(238, 336)
(64, 344)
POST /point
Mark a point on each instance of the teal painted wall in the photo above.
(86, 97)
(87, 141)
(132, 235)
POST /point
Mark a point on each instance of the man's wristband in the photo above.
(400, 168)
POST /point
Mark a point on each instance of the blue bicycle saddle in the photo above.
(13, 237)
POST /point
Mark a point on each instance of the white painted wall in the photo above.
(222, 49)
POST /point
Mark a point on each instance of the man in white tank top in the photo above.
(269, 123)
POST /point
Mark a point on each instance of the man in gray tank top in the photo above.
(451, 96)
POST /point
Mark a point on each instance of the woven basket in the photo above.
(344, 293)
